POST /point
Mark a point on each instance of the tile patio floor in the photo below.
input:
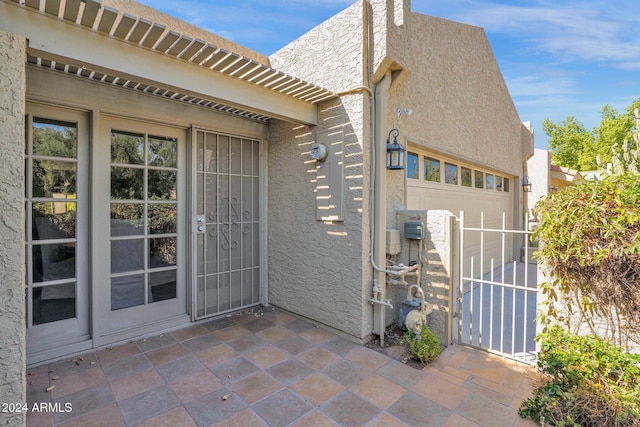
(274, 369)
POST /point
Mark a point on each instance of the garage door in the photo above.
(485, 195)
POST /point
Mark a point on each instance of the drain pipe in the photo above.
(377, 206)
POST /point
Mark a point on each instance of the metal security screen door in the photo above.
(227, 224)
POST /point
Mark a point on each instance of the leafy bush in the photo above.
(584, 381)
(423, 348)
(590, 245)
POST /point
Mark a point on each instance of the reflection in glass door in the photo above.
(144, 218)
(56, 239)
(141, 200)
(228, 205)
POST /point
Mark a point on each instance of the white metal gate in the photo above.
(496, 296)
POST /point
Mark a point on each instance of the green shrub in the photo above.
(590, 246)
(584, 381)
(423, 348)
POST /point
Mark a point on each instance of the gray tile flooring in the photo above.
(268, 368)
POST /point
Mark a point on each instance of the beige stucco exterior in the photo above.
(12, 339)
(446, 73)
(320, 269)
(375, 56)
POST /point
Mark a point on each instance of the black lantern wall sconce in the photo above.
(395, 151)
(526, 185)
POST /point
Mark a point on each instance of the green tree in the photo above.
(570, 143)
(614, 128)
(50, 176)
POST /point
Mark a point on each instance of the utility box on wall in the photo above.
(414, 230)
(393, 242)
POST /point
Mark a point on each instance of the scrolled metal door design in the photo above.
(228, 197)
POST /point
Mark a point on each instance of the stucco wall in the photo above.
(331, 55)
(435, 267)
(315, 268)
(318, 269)
(444, 71)
(538, 172)
(460, 102)
(12, 325)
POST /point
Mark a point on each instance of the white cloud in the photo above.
(592, 31)
(537, 86)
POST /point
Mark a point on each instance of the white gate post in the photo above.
(460, 292)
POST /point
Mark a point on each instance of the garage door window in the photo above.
(479, 179)
(432, 169)
(454, 173)
(450, 174)
(489, 181)
(465, 176)
(413, 167)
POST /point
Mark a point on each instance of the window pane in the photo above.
(223, 154)
(201, 152)
(489, 181)
(162, 185)
(506, 184)
(162, 219)
(412, 165)
(200, 192)
(200, 253)
(54, 179)
(163, 152)
(479, 179)
(127, 255)
(53, 220)
(211, 302)
(211, 197)
(211, 154)
(256, 158)
(431, 169)
(465, 174)
(127, 148)
(235, 156)
(127, 291)
(162, 252)
(127, 219)
(450, 174)
(211, 245)
(498, 183)
(53, 262)
(127, 183)
(247, 157)
(162, 285)
(53, 303)
(55, 139)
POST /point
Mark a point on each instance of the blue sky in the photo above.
(558, 58)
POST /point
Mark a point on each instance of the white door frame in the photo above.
(53, 339)
(125, 323)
